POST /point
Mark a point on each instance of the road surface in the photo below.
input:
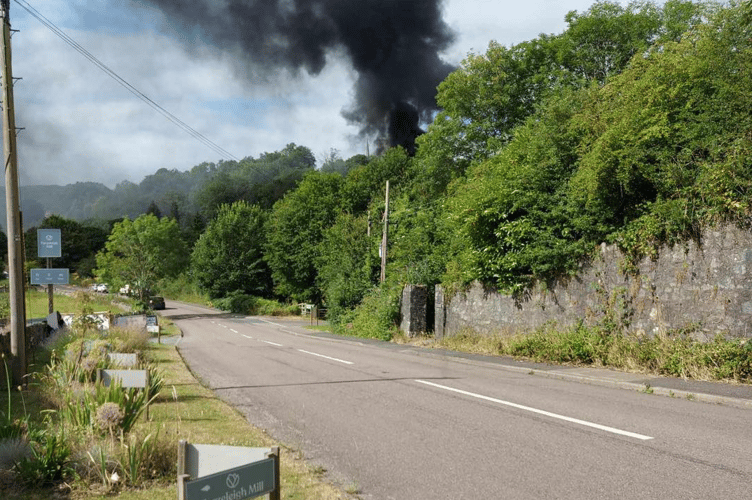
(396, 423)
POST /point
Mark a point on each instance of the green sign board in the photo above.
(246, 481)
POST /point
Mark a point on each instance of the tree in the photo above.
(489, 95)
(347, 264)
(260, 181)
(666, 128)
(367, 182)
(511, 217)
(3, 249)
(294, 230)
(141, 252)
(229, 255)
(600, 42)
(660, 150)
(154, 210)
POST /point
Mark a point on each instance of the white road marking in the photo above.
(246, 336)
(327, 357)
(540, 412)
(270, 322)
(233, 331)
(272, 343)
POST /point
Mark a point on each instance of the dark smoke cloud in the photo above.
(393, 45)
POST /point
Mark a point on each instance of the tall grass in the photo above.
(675, 353)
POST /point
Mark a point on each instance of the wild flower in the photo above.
(109, 416)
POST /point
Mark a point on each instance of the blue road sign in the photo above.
(50, 277)
(49, 243)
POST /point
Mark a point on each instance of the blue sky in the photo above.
(80, 125)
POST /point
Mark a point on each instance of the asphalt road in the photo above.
(396, 423)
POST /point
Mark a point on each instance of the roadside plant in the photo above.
(50, 460)
(109, 416)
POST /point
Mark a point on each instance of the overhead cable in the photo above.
(133, 90)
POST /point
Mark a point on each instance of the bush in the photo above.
(376, 317)
(240, 303)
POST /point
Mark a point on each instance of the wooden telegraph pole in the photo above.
(385, 236)
(12, 206)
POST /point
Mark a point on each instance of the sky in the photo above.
(80, 125)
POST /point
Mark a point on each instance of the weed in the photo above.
(352, 488)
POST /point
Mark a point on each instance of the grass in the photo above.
(37, 303)
(672, 354)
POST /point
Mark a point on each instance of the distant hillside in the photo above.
(181, 195)
(73, 201)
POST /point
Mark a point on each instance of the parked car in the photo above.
(156, 302)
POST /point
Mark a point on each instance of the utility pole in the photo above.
(12, 207)
(385, 236)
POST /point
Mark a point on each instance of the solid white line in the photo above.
(327, 357)
(540, 412)
(272, 343)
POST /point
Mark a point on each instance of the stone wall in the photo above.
(706, 287)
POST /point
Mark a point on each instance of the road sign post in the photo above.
(49, 245)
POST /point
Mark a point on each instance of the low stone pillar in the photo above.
(439, 308)
(414, 309)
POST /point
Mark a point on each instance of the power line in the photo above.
(133, 90)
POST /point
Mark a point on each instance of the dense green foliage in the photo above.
(141, 252)
(648, 157)
(296, 225)
(229, 255)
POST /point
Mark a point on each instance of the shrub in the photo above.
(376, 317)
(240, 303)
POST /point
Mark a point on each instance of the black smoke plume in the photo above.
(393, 45)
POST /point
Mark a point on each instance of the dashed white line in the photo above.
(327, 357)
(272, 343)
(246, 336)
(540, 412)
(233, 331)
